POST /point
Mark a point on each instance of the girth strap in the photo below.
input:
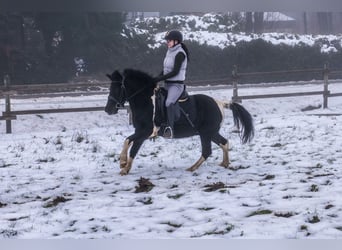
(186, 116)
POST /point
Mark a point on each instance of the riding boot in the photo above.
(171, 113)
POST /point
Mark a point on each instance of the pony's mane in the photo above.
(138, 75)
(136, 80)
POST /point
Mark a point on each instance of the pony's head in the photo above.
(132, 84)
(116, 97)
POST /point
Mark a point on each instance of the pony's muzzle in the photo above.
(111, 111)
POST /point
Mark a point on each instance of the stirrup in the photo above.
(168, 133)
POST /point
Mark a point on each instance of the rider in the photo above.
(174, 71)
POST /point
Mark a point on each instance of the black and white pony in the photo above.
(204, 117)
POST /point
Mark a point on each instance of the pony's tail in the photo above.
(243, 121)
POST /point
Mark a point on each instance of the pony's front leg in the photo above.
(154, 133)
(125, 170)
(127, 164)
(124, 153)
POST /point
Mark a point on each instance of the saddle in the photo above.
(185, 110)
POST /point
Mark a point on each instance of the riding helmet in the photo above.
(174, 35)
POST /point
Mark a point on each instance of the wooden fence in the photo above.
(51, 90)
(236, 77)
(47, 90)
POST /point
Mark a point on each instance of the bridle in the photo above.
(123, 94)
(119, 103)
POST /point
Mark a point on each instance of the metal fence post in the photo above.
(7, 82)
(235, 97)
(326, 85)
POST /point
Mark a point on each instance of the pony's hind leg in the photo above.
(197, 164)
(224, 145)
(225, 161)
(206, 152)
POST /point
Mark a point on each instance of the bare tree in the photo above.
(305, 23)
(12, 41)
(258, 22)
(325, 25)
(249, 22)
(254, 22)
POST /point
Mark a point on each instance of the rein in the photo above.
(135, 93)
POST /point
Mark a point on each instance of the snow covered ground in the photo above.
(59, 174)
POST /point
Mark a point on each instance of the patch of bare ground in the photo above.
(144, 185)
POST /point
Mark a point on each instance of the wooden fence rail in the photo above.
(10, 115)
(325, 92)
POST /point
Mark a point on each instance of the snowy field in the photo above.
(59, 174)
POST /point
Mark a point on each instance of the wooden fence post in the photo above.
(7, 82)
(130, 118)
(235, 97)
(326, 85)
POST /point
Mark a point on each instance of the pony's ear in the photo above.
(109, 76)
(115, 76)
